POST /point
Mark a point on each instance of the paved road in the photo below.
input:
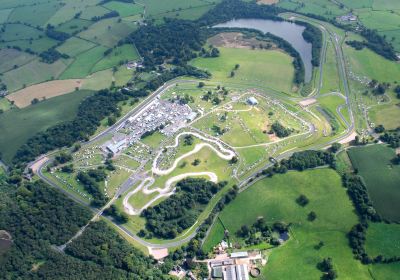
(125, 186)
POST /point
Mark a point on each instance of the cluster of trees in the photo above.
(309, 159)
(326, 266)
(376, 43)
(38, 217)
(193, 249)
(361, 200)
(51, 56)
(90, 181)
(180, 211)
(119, 217)
(280, 130)
(230, 9)
(356, 44)
(110, 14)
(56, 35)
(378, 88)
(260, 232)
(392, 138)
(313, 35)
(176, 41)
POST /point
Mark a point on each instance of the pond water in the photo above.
(289, 31)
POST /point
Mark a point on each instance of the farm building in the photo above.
(252, 101)
(231, 272)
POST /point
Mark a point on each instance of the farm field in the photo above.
(331, 81)
(381, 177)
(18, 125)
(369, 64)
(124, 9)
(383, 239)
(274, 199)
(10, 57)
(33, 72)
(75, 46)
(387, 115)
(154, 7)
(252, 71)
(84, 63)
(107, 32)
(24, 97)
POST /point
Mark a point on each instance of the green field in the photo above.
(124, 9)
(271, 69)
(93, 11)
(387, 115)
(274, 199)
(33, 72)
(10, 57)
(18, 125)
(107, 32)
(18, 31)
(383, 239)
(381, 177)
(74, 26)
(4, 14)
(367, 63)
(155, 7)
(35, 15)
(84, 63)
(331, 81)
(69, 10)
(75, 46)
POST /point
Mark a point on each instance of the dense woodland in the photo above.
(181, 210)
(38, 217)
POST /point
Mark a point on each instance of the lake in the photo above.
(289, 31)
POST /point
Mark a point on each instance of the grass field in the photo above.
(386, 114)
(33, 72)
(93, 11)
(367, 63)
(36, 15)
(18, 125)
(383, 239)
(69, 10)
(19, 31)
(124, 9)
(98, 80)
(117, 56)
(381, 177)
(73, 26)
(331, 81)
(257, 68)
(4, 14)
(107, 32)
(274, 199)
(83, 64)
(155, 7)
(75, 46)
(10, 57)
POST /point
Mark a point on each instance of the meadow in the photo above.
(270, 69)
(383, 239)
(18, 125)
(275, 200)
(369, 64)
(381, 177)
(119, 55)
(32, 73)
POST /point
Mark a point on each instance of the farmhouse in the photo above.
(252, 101)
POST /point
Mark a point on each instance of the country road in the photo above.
(245, 183)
